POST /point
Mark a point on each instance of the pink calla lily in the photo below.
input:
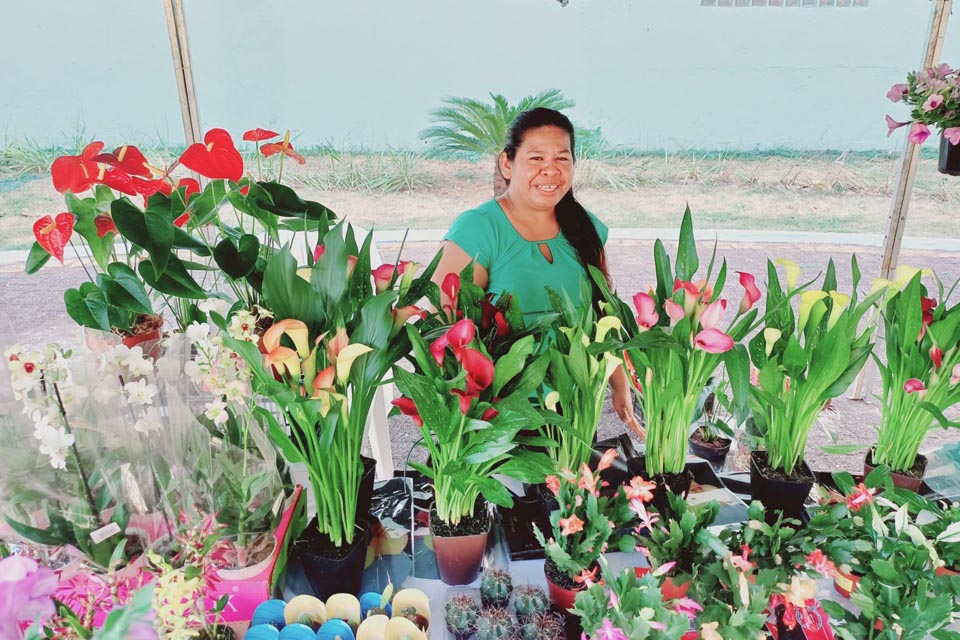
(674, 311)
(751, 293)
(318, 251)
(324, 381)
(401, 315)
(936, 356)
(713, 341)
(382, 276)
(955, 375)
(646, 307)
(461, 333)
(465, 400)
(712, 314)
(913, 386)
(438, 347)
(691, 294)
(451, 289)
(297, 331)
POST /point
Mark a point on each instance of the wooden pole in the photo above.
(180, 47)
(905, 177)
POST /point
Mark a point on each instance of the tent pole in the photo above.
(180, 47)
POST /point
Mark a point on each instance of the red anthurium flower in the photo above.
(192, 186)
(53, 234)
(646, 307)
(118, 180)
(489, 414)
(713, 341)
(861, 496)
(217, 158)
(461, 334)
(408, 408)
(913, 386)
(76, 173)
(256, 135)
(128, 159)
(936, 355)
(147, 188)
(382, 276)
(281, 147)
(479, 370)
(750, 291)
(182, 219)
(104, 225)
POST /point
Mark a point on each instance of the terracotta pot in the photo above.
(561, 598)
(459, 557)
(149, 341)
(845, 583)
(778, 494)
(911, 482)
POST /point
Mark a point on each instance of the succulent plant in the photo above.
(460, 614)
(495, 623)
(411, 614)
(543, 626)
(495, 588)
(529, 600)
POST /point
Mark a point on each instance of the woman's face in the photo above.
(542, 171)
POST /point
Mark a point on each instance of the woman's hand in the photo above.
(623, 402)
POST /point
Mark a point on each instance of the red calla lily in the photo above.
(936, 356)
(281, 147)
(382, 276)
(54, 234)
(751, 293)
(927, 305)
(76, 173)
(408, 408)
(913, 385)
(465, 399)
(217, 158)
(318, 251)
(438, 348)
(461, 333)
(256, 135)
(479, 370)
(104, 224)
(489, 414)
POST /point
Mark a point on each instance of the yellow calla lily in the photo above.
(304, 273)
(550, 402)
(297, 331)
(840, 302)
(770, 337)
(792, 270)
(612, 363)
(346, 357)
(287, 359)
(605, 325)
(807, 300)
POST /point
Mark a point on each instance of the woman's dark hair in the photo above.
(575, 224)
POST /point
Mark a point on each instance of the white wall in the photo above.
(652, 73)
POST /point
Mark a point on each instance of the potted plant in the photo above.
(803, 360)
(585, 525)
(623, 605)
(469, 409)
(674, 346)
(920, 374)
(337, 335)
(945, 533)
(710, 433)
(934, 100)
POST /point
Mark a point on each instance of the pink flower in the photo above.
(936, 356)
(586, 578)
(587, 481)
(607, 459)
(479, 370)
(913, 386)
(933, 102)
(438, 349)
(382, 276)
(821, 562)
(955, 375)
(898, 92)
(25, 594)
(639, 489)
(646, 307)
(609, 632)
(712, 314)
(713, 341)
(750, 291)
(451, 289)
(690, 607)
(408, 408)
(647, 519)
(861, 496)
(691, 294)
(461, 334)
(553, 484)
(674, 311)
(489, 414)
(918, 133)
(570, 525)
(893, 125)
(952, 134)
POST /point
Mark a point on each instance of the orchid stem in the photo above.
(76, 456)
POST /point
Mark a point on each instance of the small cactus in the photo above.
(495, 624)
(529, 600)
(495, 588)
(543, 626)
(460, 614)
(410, 613)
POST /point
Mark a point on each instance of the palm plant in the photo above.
(477, 127)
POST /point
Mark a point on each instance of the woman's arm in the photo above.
(453, 260)
(623, 401)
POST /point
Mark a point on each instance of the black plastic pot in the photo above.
(365, 494)
(949, 158)
(782, 494)
(713, 455)
(678, 483)
(329, 569)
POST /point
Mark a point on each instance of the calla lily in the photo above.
(346, 357)
(465, 400)
(605, 325)
(807, 300)
(438, 348)
(318, 251)
(840, 302)
(297, 331)
(324, 381)
(713, 341)
(479, 370)
(880, 284)
(408, 271)
(551, 400)
(792, 271)
(461, 333)
(450, 288)
(646, 307)
(674, 311)
(770, 337)
(691, 295)
(913, 385)
(955, 375)
(53, 234)
(919, 132)
(489, 414)
(408, 408)
(281, 358)
(336, 344)
(905, 273)
(712, 314)
(382, 276)
(936, 356)
(401, 315)
(751, 294)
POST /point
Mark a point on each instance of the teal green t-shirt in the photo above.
(516, 265)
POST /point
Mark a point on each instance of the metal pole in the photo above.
(180, 47)
(904, 188)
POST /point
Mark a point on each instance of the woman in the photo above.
(535, 234)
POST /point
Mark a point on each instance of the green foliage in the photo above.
(684, 537)
(466, 125)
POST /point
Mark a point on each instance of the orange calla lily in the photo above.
(282, 358)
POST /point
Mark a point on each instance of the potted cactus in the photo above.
(495, 624)
(496, 585)
(543, 626)
(529, 601)
(460, 613)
